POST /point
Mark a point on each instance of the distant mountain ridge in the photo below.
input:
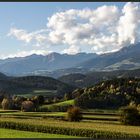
(50, 62)
(126, 58)
(56, 65)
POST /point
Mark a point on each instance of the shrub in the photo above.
(74, 114)
(130, 116)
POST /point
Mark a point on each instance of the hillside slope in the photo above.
(109, 94)
(2, 76)
(24, 85)
(126, 58)
(91, 78)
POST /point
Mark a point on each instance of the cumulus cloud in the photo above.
(72, 50)
(104, 29)
(129, 24)
(37, 36)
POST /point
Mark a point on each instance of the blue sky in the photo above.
(18, 20)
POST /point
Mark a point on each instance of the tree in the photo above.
(1, 98)
(27, 106)
(55, 99)
(7, 103)
(74, 114)
(66, 97)
(138, 107)
(41, 99)
(18, 101)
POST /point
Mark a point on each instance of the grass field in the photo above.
(69, 102)
(105, 111)
(96, 120)
(9, 133)
(8, 111)
(43, 92)
(90, 116)
(52, 107)
(110, 126)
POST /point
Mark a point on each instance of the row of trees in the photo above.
(28, 104)
(22, 103)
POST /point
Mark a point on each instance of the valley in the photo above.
(70, 70)
(98, 121)
(37, 104)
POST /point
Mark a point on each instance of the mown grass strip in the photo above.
(10, 133)
(105, 114)
(58, 115)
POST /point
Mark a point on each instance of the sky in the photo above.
(67, 27)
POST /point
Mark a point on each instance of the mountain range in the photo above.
(124, 59)
(56, 65)
(31, 64)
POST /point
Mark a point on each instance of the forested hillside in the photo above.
(24, 85)
(109, 94)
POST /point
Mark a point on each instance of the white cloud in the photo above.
(20, 34)
(72, 50)
(129, 24)
(37, 36)
(105, 29)
(72, 26)
(26, 53)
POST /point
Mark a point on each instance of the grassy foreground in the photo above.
(103, 127)
(95, 124)
(9, 133)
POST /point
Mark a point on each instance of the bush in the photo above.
(130, 116)
(74, 114)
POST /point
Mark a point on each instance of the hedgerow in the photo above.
(65, 131)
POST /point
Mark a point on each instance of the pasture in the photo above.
(36, 92)
(96, 123)
(111, 126)
(102, 122)
(55, 106)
